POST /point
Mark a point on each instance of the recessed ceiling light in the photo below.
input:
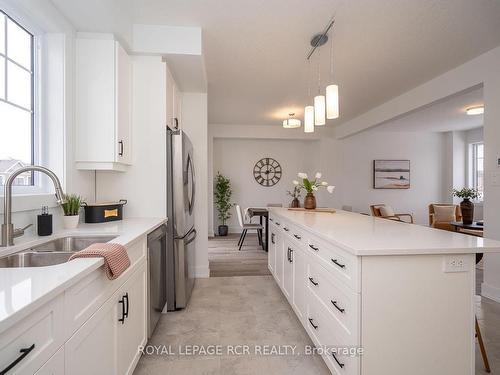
(477, 110)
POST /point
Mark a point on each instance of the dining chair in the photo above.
(246, 227)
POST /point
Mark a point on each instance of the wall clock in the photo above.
(267, 172)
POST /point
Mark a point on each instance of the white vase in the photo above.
(71, 222)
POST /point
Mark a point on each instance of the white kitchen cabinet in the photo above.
(279, 253)
(287, 284)
(299, 302)
(93, 348)
(271, 249)
(54, 366)
(174, 102)
(103, 103)
(132, 330)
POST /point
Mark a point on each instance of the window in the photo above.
(478, 167)
(16, 100)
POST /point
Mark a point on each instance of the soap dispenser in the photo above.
(44, 222)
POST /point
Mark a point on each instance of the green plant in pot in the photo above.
(311, 186)
(223, 203)
(71, 207)
(466, 206)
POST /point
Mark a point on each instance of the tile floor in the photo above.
(251, 310)
(248, 310)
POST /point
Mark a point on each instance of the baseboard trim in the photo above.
(491, 292)
(202, 272)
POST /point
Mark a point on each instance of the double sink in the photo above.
(53, 252)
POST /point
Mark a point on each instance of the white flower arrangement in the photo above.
(311, 186)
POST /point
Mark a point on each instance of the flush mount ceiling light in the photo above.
(477, 110)
(291, 123)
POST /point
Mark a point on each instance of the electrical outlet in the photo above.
(455, 263)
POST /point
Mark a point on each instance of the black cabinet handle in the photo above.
(337, 263)
(286, 229)
(297, 236)
(126, 305)
(341, 365)
(24, 352)
(334, 303)
(271, 219)
(313, 282)
(277, 223)
(121, 148)
(314, 247)
(272, 238)
(122, 302)
(313, 325)
(176, 123)
(291, 255)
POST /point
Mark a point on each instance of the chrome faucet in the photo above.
(8, 231)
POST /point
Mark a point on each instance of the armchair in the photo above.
(386, 212)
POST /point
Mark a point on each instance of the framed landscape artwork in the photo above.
(391, 174)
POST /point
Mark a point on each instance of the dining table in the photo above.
(263, 214)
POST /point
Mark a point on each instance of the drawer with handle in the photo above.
(336, 351)
(343, 266)
(27, 345)
(341, 302)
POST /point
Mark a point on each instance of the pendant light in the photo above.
(309, 109)
(319, 101)
(332, 92)
(291, 123)
(309, 119)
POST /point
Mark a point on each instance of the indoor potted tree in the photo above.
(71, 207)
(466, 206)
(223, 203)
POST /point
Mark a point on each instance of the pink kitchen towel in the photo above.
(116, 259)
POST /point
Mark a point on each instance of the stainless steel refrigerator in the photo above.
(181, 189)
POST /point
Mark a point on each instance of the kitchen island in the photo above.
(378, 296)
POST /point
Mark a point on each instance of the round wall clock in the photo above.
(267, 172)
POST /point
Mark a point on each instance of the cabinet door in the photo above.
(299, 283)
(132, 333)
(92, 349)
(123, 144)
(54, 366)
(288, 251)
(271, 255)
(278, 249)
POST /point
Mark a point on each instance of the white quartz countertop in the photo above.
(24, 289)
(366, 235)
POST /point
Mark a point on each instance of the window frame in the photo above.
(473, 181)
(36, 186)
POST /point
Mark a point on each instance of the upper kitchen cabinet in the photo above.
(103, 103)
(173, 107)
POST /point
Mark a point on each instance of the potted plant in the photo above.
(311, 186)
(295, 194)
(466, 206)
(71, 207)
(223, 203)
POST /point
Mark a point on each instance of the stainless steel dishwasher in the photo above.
(157, 294)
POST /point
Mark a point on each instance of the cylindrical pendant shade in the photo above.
(319, 110)
(291, 123)
(332, 101)
(309, 119)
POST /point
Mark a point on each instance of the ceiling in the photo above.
(255, 49)
(443, 116)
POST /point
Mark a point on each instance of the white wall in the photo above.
(425, 152)
(144, 182)
(235, 158)
(194, 123)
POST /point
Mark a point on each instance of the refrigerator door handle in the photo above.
(192, 236)
(190, 170)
